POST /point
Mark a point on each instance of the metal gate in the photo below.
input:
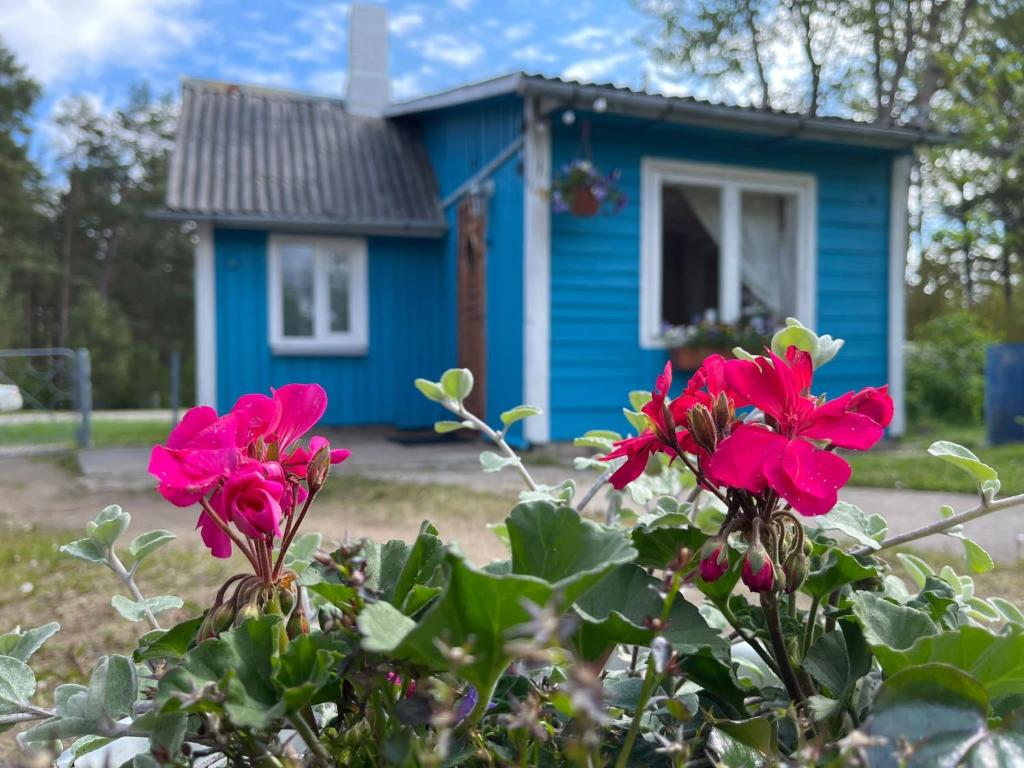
(55, 385)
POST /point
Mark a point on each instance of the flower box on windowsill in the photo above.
(690, 358)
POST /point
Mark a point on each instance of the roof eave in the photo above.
(312, 225)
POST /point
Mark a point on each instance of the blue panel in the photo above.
(460, 141)
(407, 333)
(595, 354)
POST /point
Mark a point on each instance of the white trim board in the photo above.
(899, 192)
(323, 341)
(536, 272)
(732, 181)
(205, 315)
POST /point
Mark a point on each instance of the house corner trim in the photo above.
(898, 242)
(205, 276)
(536, 271)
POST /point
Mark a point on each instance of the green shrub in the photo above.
(946, 369)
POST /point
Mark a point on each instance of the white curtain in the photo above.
(768, 250)
(706, 203)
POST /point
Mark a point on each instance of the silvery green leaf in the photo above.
(638, 398)
(17, 685)
(108, 525)
(21, 645)
(69, 699)
(145, 544)
(918, 569)
(601, 439)
(984, 475)
(113, 688)
(1008, 610)
(457, 383)
(431, 390)
(741, 354)
(445, 426)
(638, 421)
(136, 611)
(84, 549)
(518, 413)
(492, 462)
(301, 552)
(850, 520)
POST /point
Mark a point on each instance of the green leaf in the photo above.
(794, 336)
(431, 390)
(601, 439)
(984, 475)
(501, 531)
(172, 644)
(744, 742)
(659, 540)
(638, 421)
(888, 625)
(638, 398)
(302, 551)
(136, 611)
(305, 668)
(836, 570)
(445, 426)
(978, 558)
(21, 645)
(108, 526)
(113, 688)
(383, 627)
(936, 715)
(995, 661)
(145, 544)
(492, 462)
(851, 521)
(457, 383)
(17, 685)
(555, 544)
(614, 612)
(402, 566)
(84, 549)
(837, 660)
(520, 412)
(1008, 610)
(918, 569)
(717, 679)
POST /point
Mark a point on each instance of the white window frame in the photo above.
(732, 181)
(353, 342)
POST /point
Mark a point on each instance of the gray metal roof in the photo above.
(254, 156)
(681, 109)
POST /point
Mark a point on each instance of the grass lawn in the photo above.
(906, 463)
(105, 432)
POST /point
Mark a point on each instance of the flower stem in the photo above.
(985, 508)
(789, 679)
(650, 680)
(812, 617)
(749, 639)
(246, 550)
(290, 536)
(499, 441)
(115, 564)
(305, 730)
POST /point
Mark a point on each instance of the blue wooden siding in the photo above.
(460, 141)
(408, 333)
(595, 354)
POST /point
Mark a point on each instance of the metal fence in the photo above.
(52, 381)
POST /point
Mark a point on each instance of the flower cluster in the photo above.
(780, 456)
(580, 188)
(248, 470)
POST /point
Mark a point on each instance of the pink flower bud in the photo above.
(714, 560)
(758, 570)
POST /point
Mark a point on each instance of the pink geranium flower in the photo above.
(251, 498)
(786, 454)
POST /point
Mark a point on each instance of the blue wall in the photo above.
(460, 141)
(408, 333)
(595, 354)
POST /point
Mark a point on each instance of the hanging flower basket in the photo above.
(581, 189)
(689, 345)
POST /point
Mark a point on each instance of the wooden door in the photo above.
(472, 297)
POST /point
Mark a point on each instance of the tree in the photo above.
(873, 58)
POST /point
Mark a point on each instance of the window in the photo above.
(724, 243)
(318, 295)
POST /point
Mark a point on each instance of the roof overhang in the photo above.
(560, 94)
(310, 225)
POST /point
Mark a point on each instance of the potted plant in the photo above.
(689, 345)
(581, 189)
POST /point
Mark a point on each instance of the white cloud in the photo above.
(587, 38)
(590, 70)
(322, 30)
(269, 78)
(403, 23)
(329, 82)
(533, 54)
(462, 5)
(448, 49)
(405, 87)
(58, 39)
(518, 31)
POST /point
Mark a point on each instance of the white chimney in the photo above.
(369, 80)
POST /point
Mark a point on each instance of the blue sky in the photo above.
(98, 48)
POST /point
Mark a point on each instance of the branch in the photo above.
(592, 491)
(985, 508)
(499, 441)
(128, 579)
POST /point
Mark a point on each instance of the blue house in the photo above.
(360, 243)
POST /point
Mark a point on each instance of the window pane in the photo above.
(768, 255)
(297, 290)
(339, 280)
(691, 226)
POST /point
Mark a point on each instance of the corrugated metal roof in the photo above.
(249, 155)
(685, 109)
